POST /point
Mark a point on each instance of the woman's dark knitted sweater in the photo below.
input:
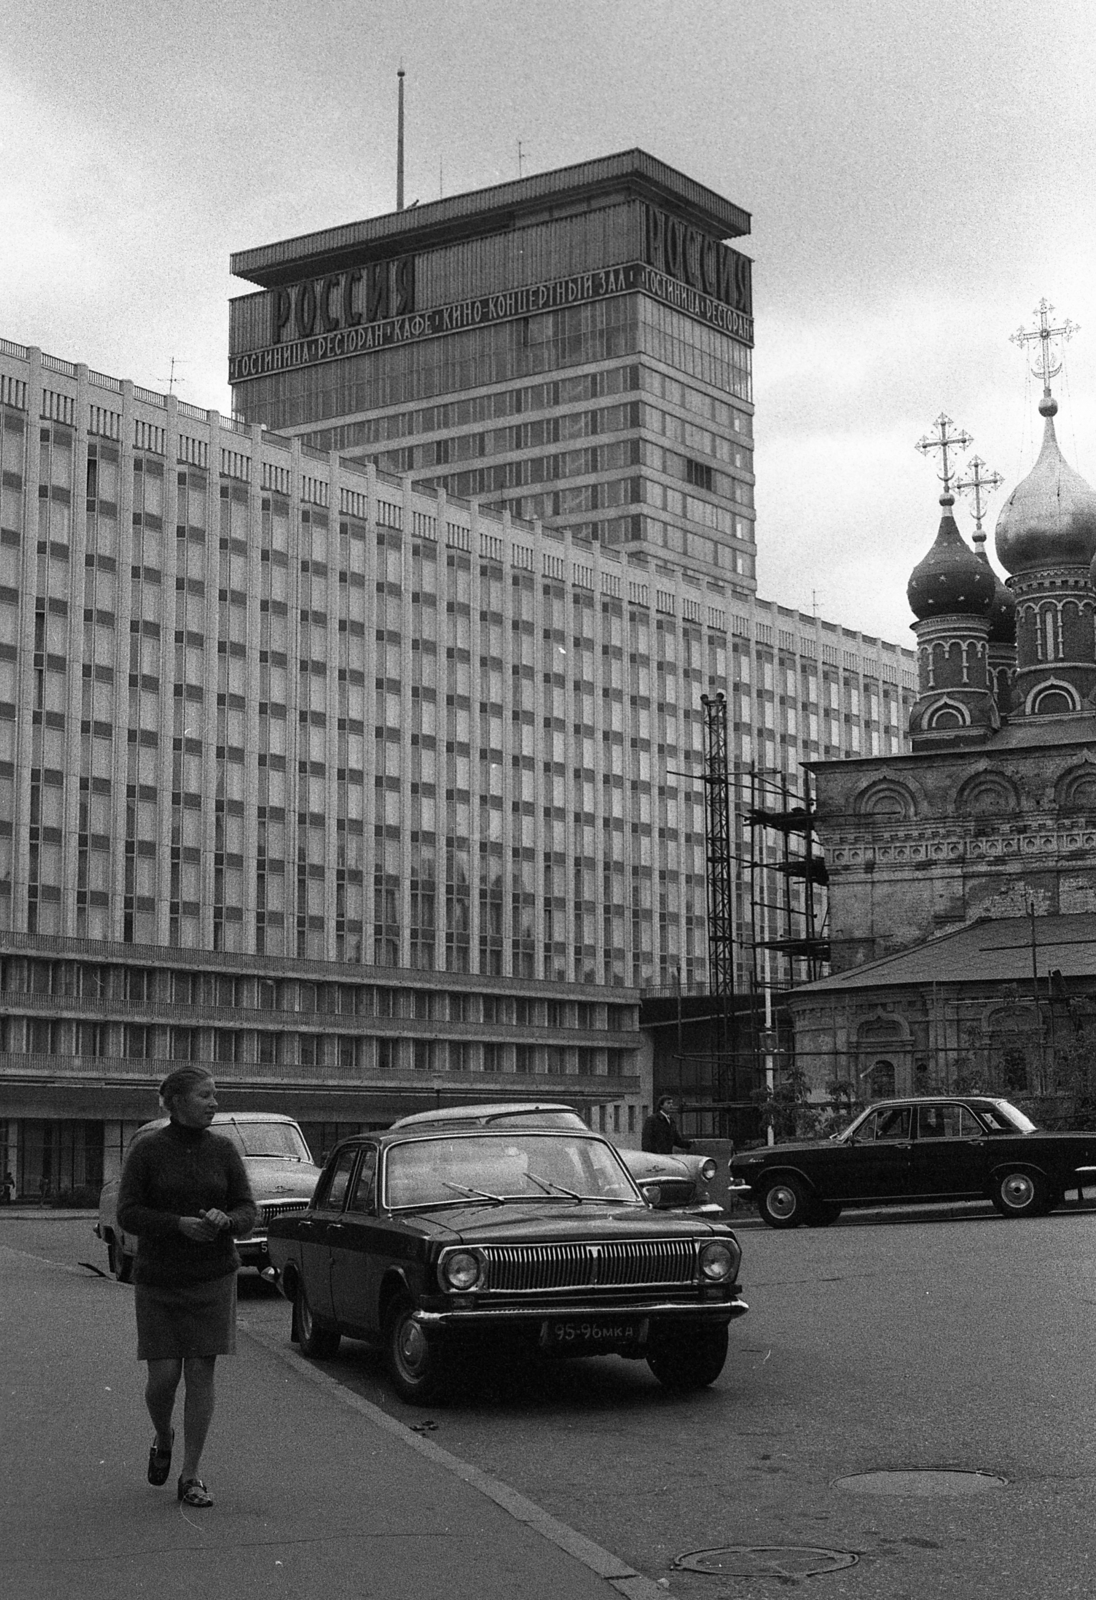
(180, 1172)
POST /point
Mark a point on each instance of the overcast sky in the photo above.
(919, 176)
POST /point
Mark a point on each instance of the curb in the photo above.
(621, 1577)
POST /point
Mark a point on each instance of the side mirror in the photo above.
(652, 1193)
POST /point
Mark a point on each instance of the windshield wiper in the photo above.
(478, 1194)
(549, 1185)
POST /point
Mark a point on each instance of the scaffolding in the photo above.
(766, 881)
(786, 912)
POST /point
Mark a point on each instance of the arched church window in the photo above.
(987, 794)
(1050, 635)
(1077, 792)
(885, 798)
(1056, 700)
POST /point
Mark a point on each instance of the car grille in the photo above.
(519, 1268)
(676, 1191)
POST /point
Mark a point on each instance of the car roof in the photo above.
(398, 1133)
(502, 1108)
(222, 1119)
(937, 1100)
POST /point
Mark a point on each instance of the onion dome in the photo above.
(1049, 520)
(950, 581)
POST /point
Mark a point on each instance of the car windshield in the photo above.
(494, 1167)
(277, 1139)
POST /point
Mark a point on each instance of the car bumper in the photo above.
(253, 1252)
(706, 1311)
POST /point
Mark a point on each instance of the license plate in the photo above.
(592, 1333)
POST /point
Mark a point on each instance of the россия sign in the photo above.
(482, 310)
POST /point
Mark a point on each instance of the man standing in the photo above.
(660, 1134)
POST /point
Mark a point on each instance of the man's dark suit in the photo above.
(660, 1136)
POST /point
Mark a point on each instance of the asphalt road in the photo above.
(916, 1344)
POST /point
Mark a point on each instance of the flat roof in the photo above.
(490, 210)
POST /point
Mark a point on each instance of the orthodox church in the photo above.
(962, 900)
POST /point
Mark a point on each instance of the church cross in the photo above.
(1048, 363)
(945, 442)
(978, 483)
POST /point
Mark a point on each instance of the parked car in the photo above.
(433, 1241)
(910, 1152)
(669, 1183)
(279, 1165)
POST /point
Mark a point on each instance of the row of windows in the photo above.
(149, 986)
(164, 1047)
(575, 425)
(553, 396)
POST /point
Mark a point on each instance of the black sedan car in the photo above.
(909, 1152)
(435, 1242)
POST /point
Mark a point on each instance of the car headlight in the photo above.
(718, 1261)
(708, 1169)
(462, 1270)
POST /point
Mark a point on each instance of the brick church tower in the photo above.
(963, 867)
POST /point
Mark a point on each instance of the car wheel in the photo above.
(1018, 1193)
(784, 1203)
(417, 1366)
(689, 1361)
(822, 1213)
(319, 1342)
(120, 1263)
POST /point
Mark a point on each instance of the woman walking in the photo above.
(184, 1193)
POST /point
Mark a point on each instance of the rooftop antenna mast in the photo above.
(399, 145)
(176, 361)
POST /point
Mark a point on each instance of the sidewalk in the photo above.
(319, 1496)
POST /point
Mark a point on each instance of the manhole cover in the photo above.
(935, 1482)
(766, 1560)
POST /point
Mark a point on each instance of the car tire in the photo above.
(118, 1259)
(785, 1203)
(1020, 1193)
(690, 1360)
(315, 1340)
(417, 1366)
(823, 1213)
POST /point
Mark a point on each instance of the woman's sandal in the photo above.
(159, 1462)
(193, 1492)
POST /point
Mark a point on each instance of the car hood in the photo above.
(271, 1179)
(535, 1224)
(792, 1147)
(643, 1165)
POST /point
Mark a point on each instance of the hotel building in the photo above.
(367, 791)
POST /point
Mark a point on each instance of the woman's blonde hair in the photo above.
(180, 1083)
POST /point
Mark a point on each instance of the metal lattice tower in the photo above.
(717, 799)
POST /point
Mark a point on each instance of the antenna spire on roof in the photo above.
(399, 143)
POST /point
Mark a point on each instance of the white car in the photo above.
(279, 1166)
(669, 1183)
